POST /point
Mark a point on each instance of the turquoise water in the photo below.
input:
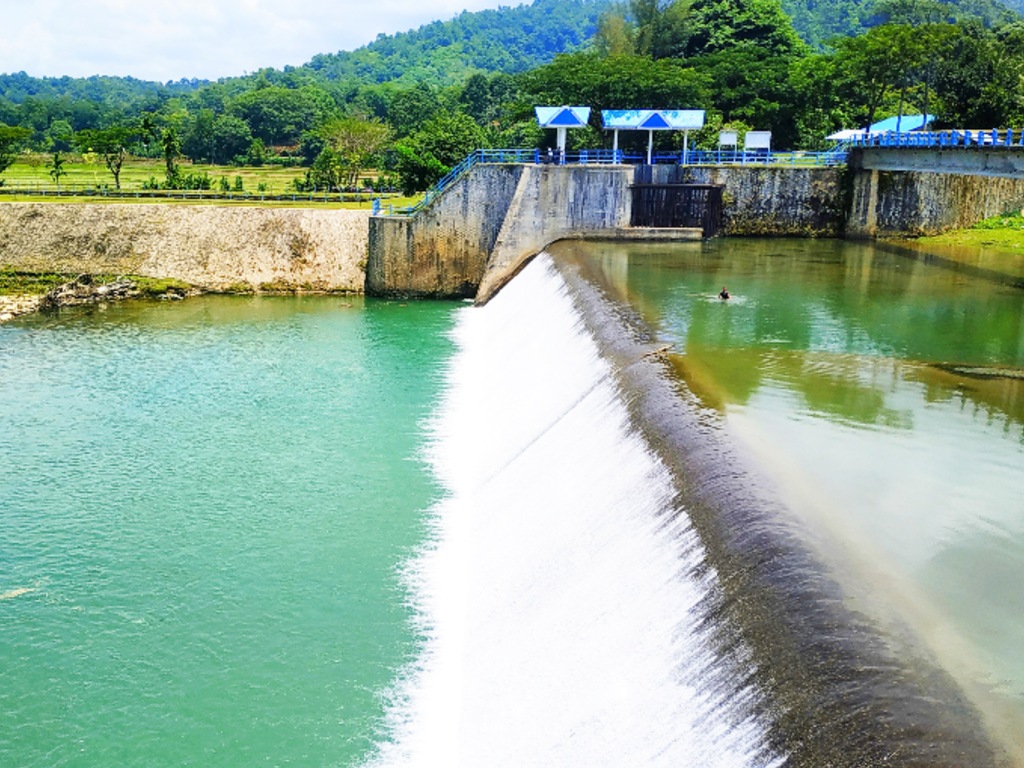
(882, 393)
(202, 509)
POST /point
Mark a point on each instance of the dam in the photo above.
(600, 431)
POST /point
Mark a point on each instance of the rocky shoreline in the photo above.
(18, 304)
(82, 290)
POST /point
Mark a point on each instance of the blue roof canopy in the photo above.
(653, 119)
(906, 123)
(562, 117)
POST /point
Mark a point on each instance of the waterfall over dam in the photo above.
(607, 584)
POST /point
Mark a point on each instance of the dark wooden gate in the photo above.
(678, 205)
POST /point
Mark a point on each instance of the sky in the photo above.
(207, 39)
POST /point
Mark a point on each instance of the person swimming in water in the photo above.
(724, 294)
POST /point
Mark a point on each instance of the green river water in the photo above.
(202, 508)
(204, 505)
(881, 390)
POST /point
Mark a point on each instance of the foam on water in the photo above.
(560, 597)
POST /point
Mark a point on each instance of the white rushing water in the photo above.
(558, 599)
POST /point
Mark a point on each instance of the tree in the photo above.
(615, 35)
(230, 138)
(979, 79)
(409, 110)
(171, 145)
(56, 167)
(11, 138)
(662, 27)
(616, 82)
(719, 25)
(324, 173)
(60, 135)
(432, 152)
(279, 115)
(354, 140)
(878, 62)
(475, 98)
(197, 143)
(111, 143)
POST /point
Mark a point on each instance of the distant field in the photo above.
(32, 172)
(87, 182)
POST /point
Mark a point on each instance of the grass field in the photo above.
(32, 172)
(90, 181)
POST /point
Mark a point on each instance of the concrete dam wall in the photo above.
(772, 201)
(489, 222)
(214, 247)
(474, 237)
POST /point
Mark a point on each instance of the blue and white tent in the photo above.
(898, 124)
(562, 118)
(652, 120)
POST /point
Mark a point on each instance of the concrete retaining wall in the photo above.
(475, 236)
(209, 246)
(973, 161)
(478, 234)
(772, 201)
(889, 198)
(443, 251)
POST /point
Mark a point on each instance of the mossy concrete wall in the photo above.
(443, 251)
(889, 201)
(772, 201)
(213, 247)
(554, 203)
(492, 219)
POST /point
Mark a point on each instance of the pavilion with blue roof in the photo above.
(652, 120)
(561, 119)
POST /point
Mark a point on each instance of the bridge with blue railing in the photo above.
(939, 139)
(833, 157)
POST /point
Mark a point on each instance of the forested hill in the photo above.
(817, 22)
(509, 40)
(506, 40)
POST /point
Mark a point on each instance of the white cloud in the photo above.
(171, 39)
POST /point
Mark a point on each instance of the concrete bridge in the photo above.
(476, 235)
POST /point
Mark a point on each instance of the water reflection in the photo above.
(806, 314)
(882, 390)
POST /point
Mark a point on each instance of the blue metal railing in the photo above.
(611, 157)
(948, 138)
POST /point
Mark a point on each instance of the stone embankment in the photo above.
(211, 247)
(18, 304)
(84, 290)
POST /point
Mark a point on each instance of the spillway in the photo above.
(606, 584)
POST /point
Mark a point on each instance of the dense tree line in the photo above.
(740, 60)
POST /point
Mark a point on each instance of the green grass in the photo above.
(13, 282)
(87, 182)
(1005, 231)
(193, 198)
(31, 171)
(158, 286)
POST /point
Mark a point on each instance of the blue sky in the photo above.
(170, 39)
